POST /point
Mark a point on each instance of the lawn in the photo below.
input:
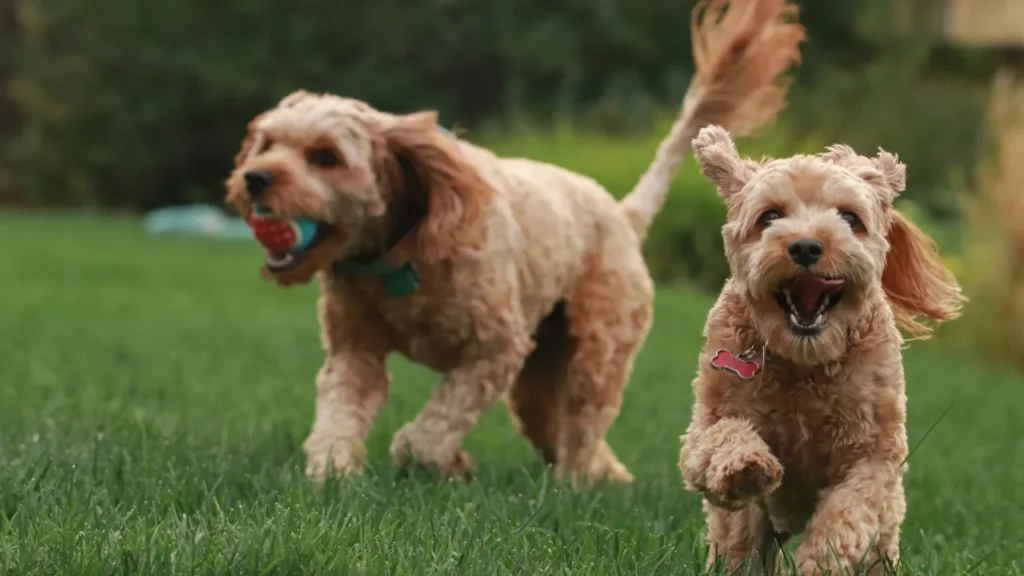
(155, 394)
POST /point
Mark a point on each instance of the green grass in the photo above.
(155, 394)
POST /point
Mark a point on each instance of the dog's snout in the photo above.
(806, 251)
(257, 182)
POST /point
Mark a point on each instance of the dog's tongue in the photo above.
(808, 290)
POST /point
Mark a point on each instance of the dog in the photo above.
(517, 280)
(799, 421)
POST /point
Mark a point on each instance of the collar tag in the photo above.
(746, 365)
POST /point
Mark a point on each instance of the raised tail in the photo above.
(741, 49)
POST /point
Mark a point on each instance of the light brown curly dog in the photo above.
(514, 278)
(800, 413)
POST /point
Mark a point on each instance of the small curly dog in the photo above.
(799, 422)
(517, 280)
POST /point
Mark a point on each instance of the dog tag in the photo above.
(746, 365)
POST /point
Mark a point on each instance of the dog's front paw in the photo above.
(599, 466)
(344, 457)
(736, 479)
(827, 565)
(410, 447)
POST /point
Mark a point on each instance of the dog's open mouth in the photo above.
(807, 299)
(284, 261)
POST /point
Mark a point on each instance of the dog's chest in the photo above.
(430, 326)
(813, 424)
(431, 335)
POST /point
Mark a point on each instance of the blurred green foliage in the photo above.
(128, 104)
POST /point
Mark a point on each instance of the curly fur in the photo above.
(533, 286)
(815, 443)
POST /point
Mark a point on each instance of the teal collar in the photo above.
(400, 280)
(395, 267)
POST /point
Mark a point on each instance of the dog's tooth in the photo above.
(278, 261)
(819, 320)
(794, 319)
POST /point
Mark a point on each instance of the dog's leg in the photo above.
(533, 406)
(434, 438)
(350, 389)
(728, 462)
(846, 530)
(609, 315)
(535, 400)
(885, 558)
(741, 538)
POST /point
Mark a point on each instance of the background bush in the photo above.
(141, 104)
(992, 271)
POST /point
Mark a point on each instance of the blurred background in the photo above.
(130, 106)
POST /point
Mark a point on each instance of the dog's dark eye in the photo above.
(324, 158)
(851, 219)
(265, 145)
(768, 216)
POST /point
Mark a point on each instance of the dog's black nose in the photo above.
(806, 251)
(257, 182)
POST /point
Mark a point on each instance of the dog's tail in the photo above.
(741, 48)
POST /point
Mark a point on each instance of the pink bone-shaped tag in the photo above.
(741, 366)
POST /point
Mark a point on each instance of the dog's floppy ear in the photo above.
(916, 280)
(457, 194)
(720, 162)
(884, 172)
(893, 171)
(887, 174)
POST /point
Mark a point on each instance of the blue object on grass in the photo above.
(196, 220)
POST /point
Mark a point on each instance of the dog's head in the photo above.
(365, 177)
(812, 240)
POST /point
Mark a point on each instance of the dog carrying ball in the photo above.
(282, 235)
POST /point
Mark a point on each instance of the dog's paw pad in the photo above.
(754, 476)
(750, 481)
